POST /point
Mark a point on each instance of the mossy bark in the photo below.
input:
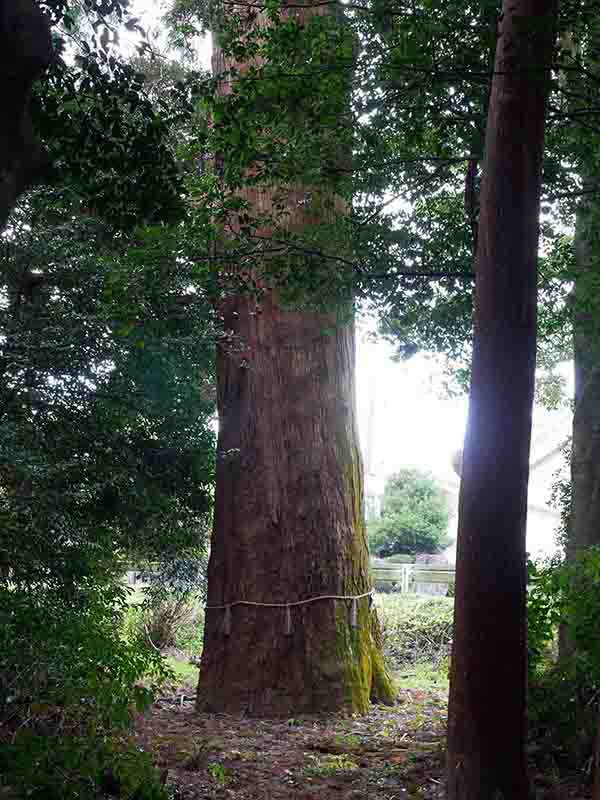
(289, 523)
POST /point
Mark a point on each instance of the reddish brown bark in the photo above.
(289, 520)
(486, 732)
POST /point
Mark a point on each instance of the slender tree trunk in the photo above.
(289, 523)
(583, 526)
(596, 788)
(486, 728)
(584, 523)
(584, 515)
(583, 529)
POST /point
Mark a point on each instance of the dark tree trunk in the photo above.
(25, 52)
(584, 522)
(289, 523)
(486, 727)
(596, 787)
(583, 528)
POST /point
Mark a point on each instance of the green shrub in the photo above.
(190, 634)
(414, 628)
(414, 516)
(69, 684)
(564, 694)
(167, 621)
(543, 613)
(563, 707)
(170, 614)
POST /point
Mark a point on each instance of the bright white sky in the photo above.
(414, 424)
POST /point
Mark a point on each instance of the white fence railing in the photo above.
(416, 578)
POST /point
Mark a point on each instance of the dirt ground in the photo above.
(391, 754)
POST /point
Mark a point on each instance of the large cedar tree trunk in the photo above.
(486, 727)
(289, 522)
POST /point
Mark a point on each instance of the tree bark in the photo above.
(25, 52)
(584, 522)
(596, 787)
(486, 727)
(583, 527)
(289, 519)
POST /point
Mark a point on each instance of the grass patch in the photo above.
(424, 676)
(417, 635)
(415, 628)
(330, 765)
(185, 673)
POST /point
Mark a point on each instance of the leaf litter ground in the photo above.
(394, 753)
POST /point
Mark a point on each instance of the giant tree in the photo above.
(486, 743)
(289, 622)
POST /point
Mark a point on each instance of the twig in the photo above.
(150, 639)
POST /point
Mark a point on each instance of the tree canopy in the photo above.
(333, 161)
(107, 335)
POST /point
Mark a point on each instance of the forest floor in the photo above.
(394, 753)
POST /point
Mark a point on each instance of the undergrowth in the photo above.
(69, 685)
(416, 629)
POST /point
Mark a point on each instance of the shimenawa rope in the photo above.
(288, 615)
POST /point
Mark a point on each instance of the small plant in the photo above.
(543, 613)
(220, 773)
(332, 764)
(198, 757)
(167, 622)
(170, 614)
(347, 741)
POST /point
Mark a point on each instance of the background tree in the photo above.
(414, 516)
(584, 518)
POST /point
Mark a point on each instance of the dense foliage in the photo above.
(107, 324)
(408, 158)
(565, 691)
(68, 686)
(106, 405)
(414, 516)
